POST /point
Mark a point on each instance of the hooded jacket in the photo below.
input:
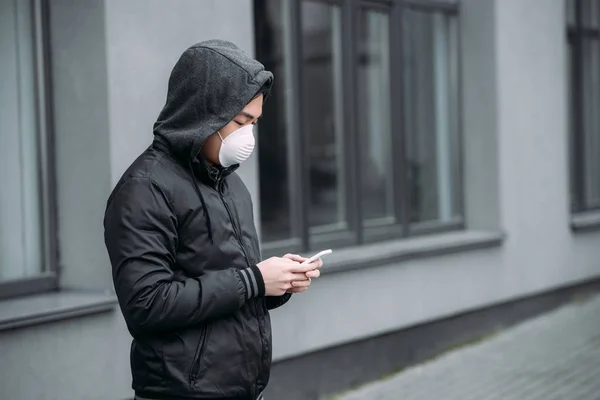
(183, 245)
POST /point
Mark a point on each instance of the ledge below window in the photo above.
(586, 221)
(390, 252)
(49, 307)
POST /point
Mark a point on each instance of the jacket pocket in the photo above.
(200, 348)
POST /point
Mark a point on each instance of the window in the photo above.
(360, 139)
(584, 75)
(25, 249)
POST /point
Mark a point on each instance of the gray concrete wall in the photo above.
(111, 62)
(83, 358)
(75, 359)
(80, 110)
(144, 40)
(516, 181)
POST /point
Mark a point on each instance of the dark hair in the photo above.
(265, 90)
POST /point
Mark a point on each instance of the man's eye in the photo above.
(239, 123)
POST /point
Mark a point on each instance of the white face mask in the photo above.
(237, 147)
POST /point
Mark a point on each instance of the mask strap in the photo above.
(220, 137)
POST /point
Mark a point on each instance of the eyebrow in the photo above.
(247, 115)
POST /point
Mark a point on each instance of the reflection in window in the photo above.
(341, 161)
(374, 115)
(322, 111)
(20, 207)
(591, 120)
(273, 144)
(583, 17)
(431, 116)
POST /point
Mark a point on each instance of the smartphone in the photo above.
(317, 256)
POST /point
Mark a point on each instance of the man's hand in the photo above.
(283, 274)
(301, 285)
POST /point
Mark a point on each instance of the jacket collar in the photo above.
(208, 174)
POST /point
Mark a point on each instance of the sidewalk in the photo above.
(554, 356)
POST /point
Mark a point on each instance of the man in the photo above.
(180, 233)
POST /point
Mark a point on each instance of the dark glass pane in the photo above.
(322, 107)
(570, 6)
(374, 115)
(591, 121)
(591, 13)
(272, 128)
(584, 66)
(431, 116)
(21, 236)
(572, 115)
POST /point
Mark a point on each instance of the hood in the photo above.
(209, 85)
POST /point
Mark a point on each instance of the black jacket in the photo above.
(183, 246)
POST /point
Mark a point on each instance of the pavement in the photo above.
(550, 357)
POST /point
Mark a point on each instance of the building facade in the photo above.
(448, 151)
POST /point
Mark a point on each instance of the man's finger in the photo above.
(298, 284)
(293, 277)
(313, 274)
(318, 263)
(302, 268)
(295, 257)
(297, 290)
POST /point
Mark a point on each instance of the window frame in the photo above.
(397, 226)
(358, 232)
(577, 32)
(48, 280)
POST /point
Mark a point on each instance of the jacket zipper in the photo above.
(199, 353)
(238, 236)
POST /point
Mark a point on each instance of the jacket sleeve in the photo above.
(140, 233)
(274, 302)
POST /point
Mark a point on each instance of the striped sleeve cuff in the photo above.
(253, 281)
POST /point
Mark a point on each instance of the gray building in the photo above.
(448, 151)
